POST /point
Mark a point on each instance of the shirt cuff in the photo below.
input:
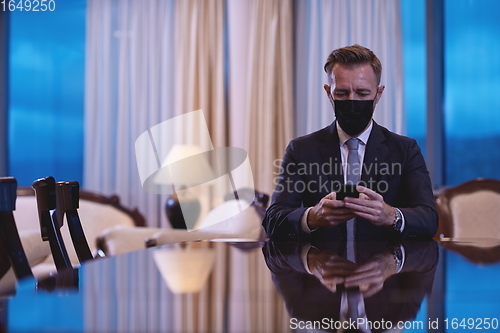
(303, 255)
(303, 222)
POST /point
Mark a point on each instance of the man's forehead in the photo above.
(361, 72)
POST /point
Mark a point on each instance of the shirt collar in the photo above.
(363, 137)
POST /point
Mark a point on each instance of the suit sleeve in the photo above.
(282, 220)
(416, 199)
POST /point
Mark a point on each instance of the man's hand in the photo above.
(329, 212)
(329, 268)
(371, 206)
(371, 276)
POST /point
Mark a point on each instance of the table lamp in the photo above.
(188, 167)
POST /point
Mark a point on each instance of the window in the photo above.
(472, 85)
(414, 68)
(46, 85)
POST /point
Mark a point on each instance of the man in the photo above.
(395, 197)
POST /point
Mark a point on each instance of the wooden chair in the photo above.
(470, 210)
(19, 250)
(9, 235)
(479, 251)
(96, 212)
(469, 216)
(54, 201)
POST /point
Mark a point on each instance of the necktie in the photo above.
(353, 298)
(353, 167)
(352, 309)
(352, 177)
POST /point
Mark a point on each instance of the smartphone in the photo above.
(347, 191)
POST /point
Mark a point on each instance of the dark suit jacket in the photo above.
(312, 167)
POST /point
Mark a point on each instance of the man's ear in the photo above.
(328, 91)
(380, 90)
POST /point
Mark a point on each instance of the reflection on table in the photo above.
(324, 290)
(129, 293)
(257, 287)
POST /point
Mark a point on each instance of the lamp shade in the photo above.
(185, 166)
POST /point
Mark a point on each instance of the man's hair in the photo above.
(352, 56)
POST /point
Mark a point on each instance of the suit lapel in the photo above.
(329, 151)
(375, 153)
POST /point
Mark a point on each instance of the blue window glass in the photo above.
(472, 85)
(414, 68)
(46, 91)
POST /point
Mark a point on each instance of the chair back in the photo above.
(68, 198)
(51, 220)
(470, 210)
(96, 212)
(9, 235)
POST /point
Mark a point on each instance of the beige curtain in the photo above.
(199, 64)
(128, 89)
(199, 84)
(148, 61)
(260, 99)
(324, 25)
(269, 84)
(260, 121)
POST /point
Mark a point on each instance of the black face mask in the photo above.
(353, 116)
